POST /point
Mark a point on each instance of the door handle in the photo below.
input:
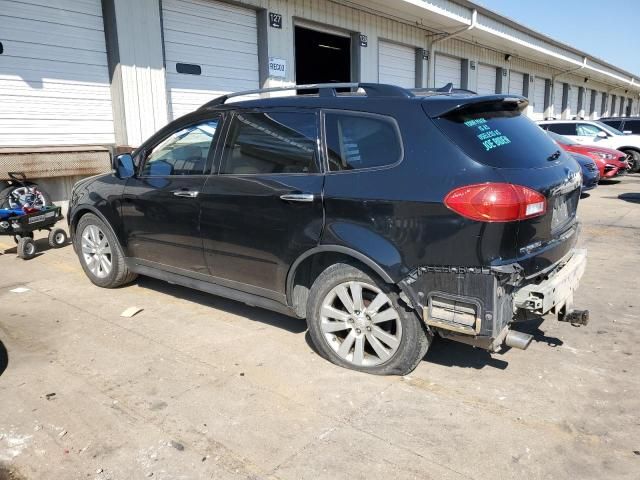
(186, 193)
(298, 197)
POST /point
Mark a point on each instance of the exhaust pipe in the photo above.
(518, 340)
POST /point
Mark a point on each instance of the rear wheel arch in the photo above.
(312, 263)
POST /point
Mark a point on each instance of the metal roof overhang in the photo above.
(504, 35)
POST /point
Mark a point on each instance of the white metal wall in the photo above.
(447, 70)
(219, 37)
(538, 98)
(54, 79)
(572, 103)
(486, 79)
(397, 64)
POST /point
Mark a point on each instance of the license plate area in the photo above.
(563, 211)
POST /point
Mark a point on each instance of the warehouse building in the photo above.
(81, 79)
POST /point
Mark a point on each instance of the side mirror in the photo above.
(124, 166)
(602, 134)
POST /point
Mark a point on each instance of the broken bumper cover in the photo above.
(555, 291)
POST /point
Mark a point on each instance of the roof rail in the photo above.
(324, 89)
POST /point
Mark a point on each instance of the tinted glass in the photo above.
(361, 141)
(608, 129)
(185, 152)
(562, 128)
(632, 126)
(266, 143)
(613, 123)
(499, 138)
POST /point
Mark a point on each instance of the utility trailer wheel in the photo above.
(57, 238)
(26, 248)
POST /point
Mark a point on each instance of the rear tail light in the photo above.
(496, 202)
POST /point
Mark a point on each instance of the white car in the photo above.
(592, 132)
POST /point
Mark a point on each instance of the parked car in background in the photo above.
(590, 173)
(624, 124)
(592, 132)
(610, 162)
(340, 210)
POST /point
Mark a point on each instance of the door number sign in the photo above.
(275, 20)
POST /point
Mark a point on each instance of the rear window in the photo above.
(632, 126)
(499, 138)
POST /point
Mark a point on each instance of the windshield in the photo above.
(561, 138)
(609, 129)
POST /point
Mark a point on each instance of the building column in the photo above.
(592, 106)
(603, 105)
(421, 68)
(135, 55)
(547, 98)
(580, 112)
(565, 100)
(501, 80)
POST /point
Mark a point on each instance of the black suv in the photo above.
(624, 124)
(382, 216)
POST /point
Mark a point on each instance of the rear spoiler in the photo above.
(443, 106)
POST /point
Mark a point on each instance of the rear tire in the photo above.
(378, 334)
(26, 248)
(100, 254)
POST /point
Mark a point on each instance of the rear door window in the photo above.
(357, 141)
(498, 138)
(613, 123)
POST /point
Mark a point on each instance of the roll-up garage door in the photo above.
(557, 99)
(447, 70)
(54, 79)
(516, 83)
(486, 79)
(538, 98)
(397, 64)
(211, 48)
(598, 105)
(573, 101)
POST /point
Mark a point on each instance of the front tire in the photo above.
(358, 322)
(100, 254)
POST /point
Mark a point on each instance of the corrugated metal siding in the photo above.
(397, 64)
(54, 80)
(516, 82)
(486, 79)
(538, 98)
(447, 70)
(221, 38)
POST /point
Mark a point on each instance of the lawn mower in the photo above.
(27, 212)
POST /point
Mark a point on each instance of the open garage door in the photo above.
(211, 48)
(54, 79)
(538, 98)
(486, 79)
(396, 64)
(447, 70)
(516, 83)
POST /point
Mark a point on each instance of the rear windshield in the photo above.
(498, 137)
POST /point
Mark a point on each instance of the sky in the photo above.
(607, 29)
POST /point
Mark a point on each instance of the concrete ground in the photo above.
(197, 386)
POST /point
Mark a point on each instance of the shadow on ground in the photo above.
(8, 473)
(4, 361)
(290, 324)
(630, 197)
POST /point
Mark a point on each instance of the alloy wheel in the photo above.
(96, 251)
(360, 323)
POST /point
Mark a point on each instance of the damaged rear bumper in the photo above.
(478, 305)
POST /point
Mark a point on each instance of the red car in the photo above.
(610, 162)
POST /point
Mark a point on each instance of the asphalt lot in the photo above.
(197, 386)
